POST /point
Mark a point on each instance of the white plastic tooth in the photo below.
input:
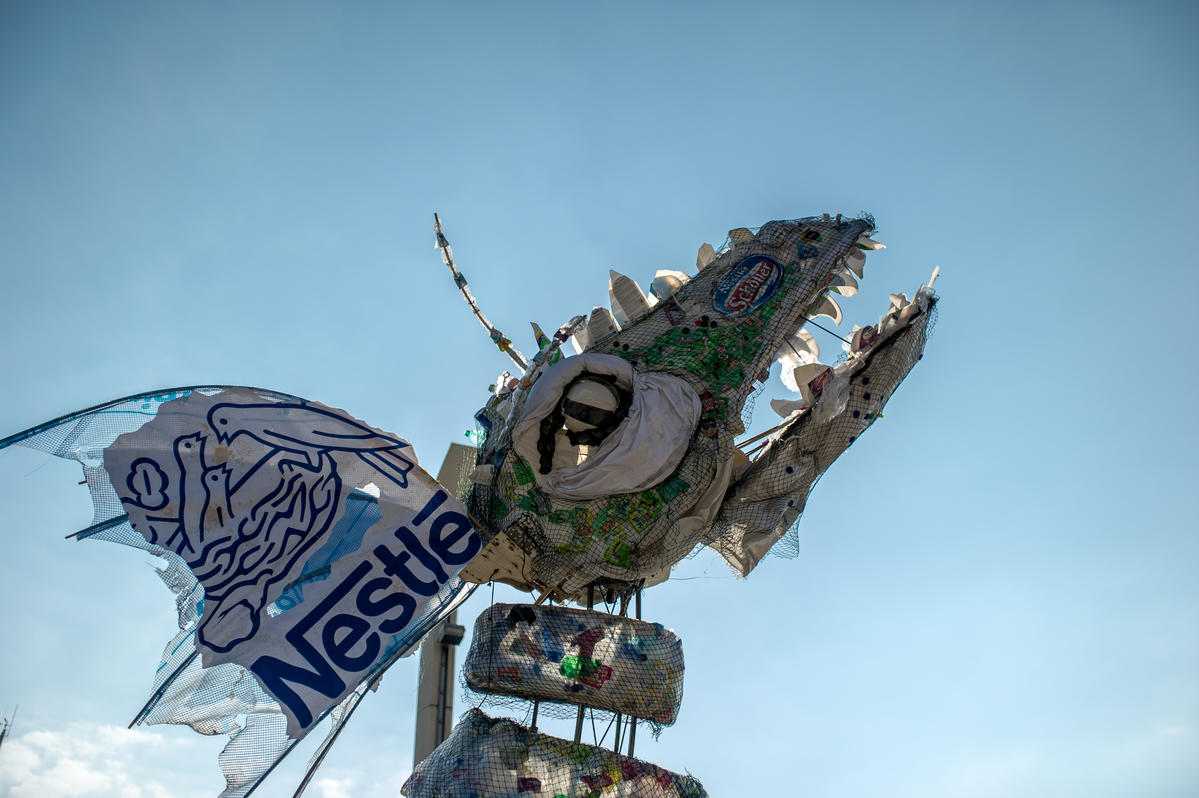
(856, 343)
(868, 243)
(579, 340)
(741, 235)
(803, 376)
(898, 301)
(805, 342)
(791, 373)
(851, 344)
(787, 407)
(844, 284)
(705, 256)
(828, 307)
(799, 350)
(667, 282)
(628, 302)
(933, 279)
(600, 324)
(855, 259)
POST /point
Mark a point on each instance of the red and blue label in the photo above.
(747, 285)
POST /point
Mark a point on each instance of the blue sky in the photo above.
(997, 587)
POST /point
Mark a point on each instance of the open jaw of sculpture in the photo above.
(690, 361)
(308, 551)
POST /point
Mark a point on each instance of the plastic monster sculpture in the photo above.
(308, 550)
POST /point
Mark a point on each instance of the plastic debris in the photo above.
(498, 758)
(628, 301)
(600, 325)
(667, 282)
(565, 655)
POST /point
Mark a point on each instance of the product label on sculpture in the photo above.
(747, 285)
(318, 541)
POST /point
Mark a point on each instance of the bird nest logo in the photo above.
(243, 489)
(747, 285)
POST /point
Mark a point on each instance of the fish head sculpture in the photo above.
(618, 514)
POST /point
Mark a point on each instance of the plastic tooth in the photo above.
(868, 243)
(667, 282)
(828, 307)
(804, 342)
(844, 284)
(860, 338)
(600, 324)
(628, 301)
(580, 341)
(741, 235)
(705, 256)
(800, 348)
(855, 259)
(803, 377)
(851, 344)
(787, 407)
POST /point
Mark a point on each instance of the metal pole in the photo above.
(435, 684)
(442, 678)
(633, 721)
(579, 726)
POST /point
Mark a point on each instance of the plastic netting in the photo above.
(492, 757)
(569, 656)
(767, 499)
(787, 546)
(225, 698)
(720, 332)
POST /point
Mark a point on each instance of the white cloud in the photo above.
(333, 788)
(88, 759)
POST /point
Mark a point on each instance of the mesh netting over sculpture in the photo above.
(564, 655)
(769, 495)
(787, 546)
(493, 757)
(719, 333)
